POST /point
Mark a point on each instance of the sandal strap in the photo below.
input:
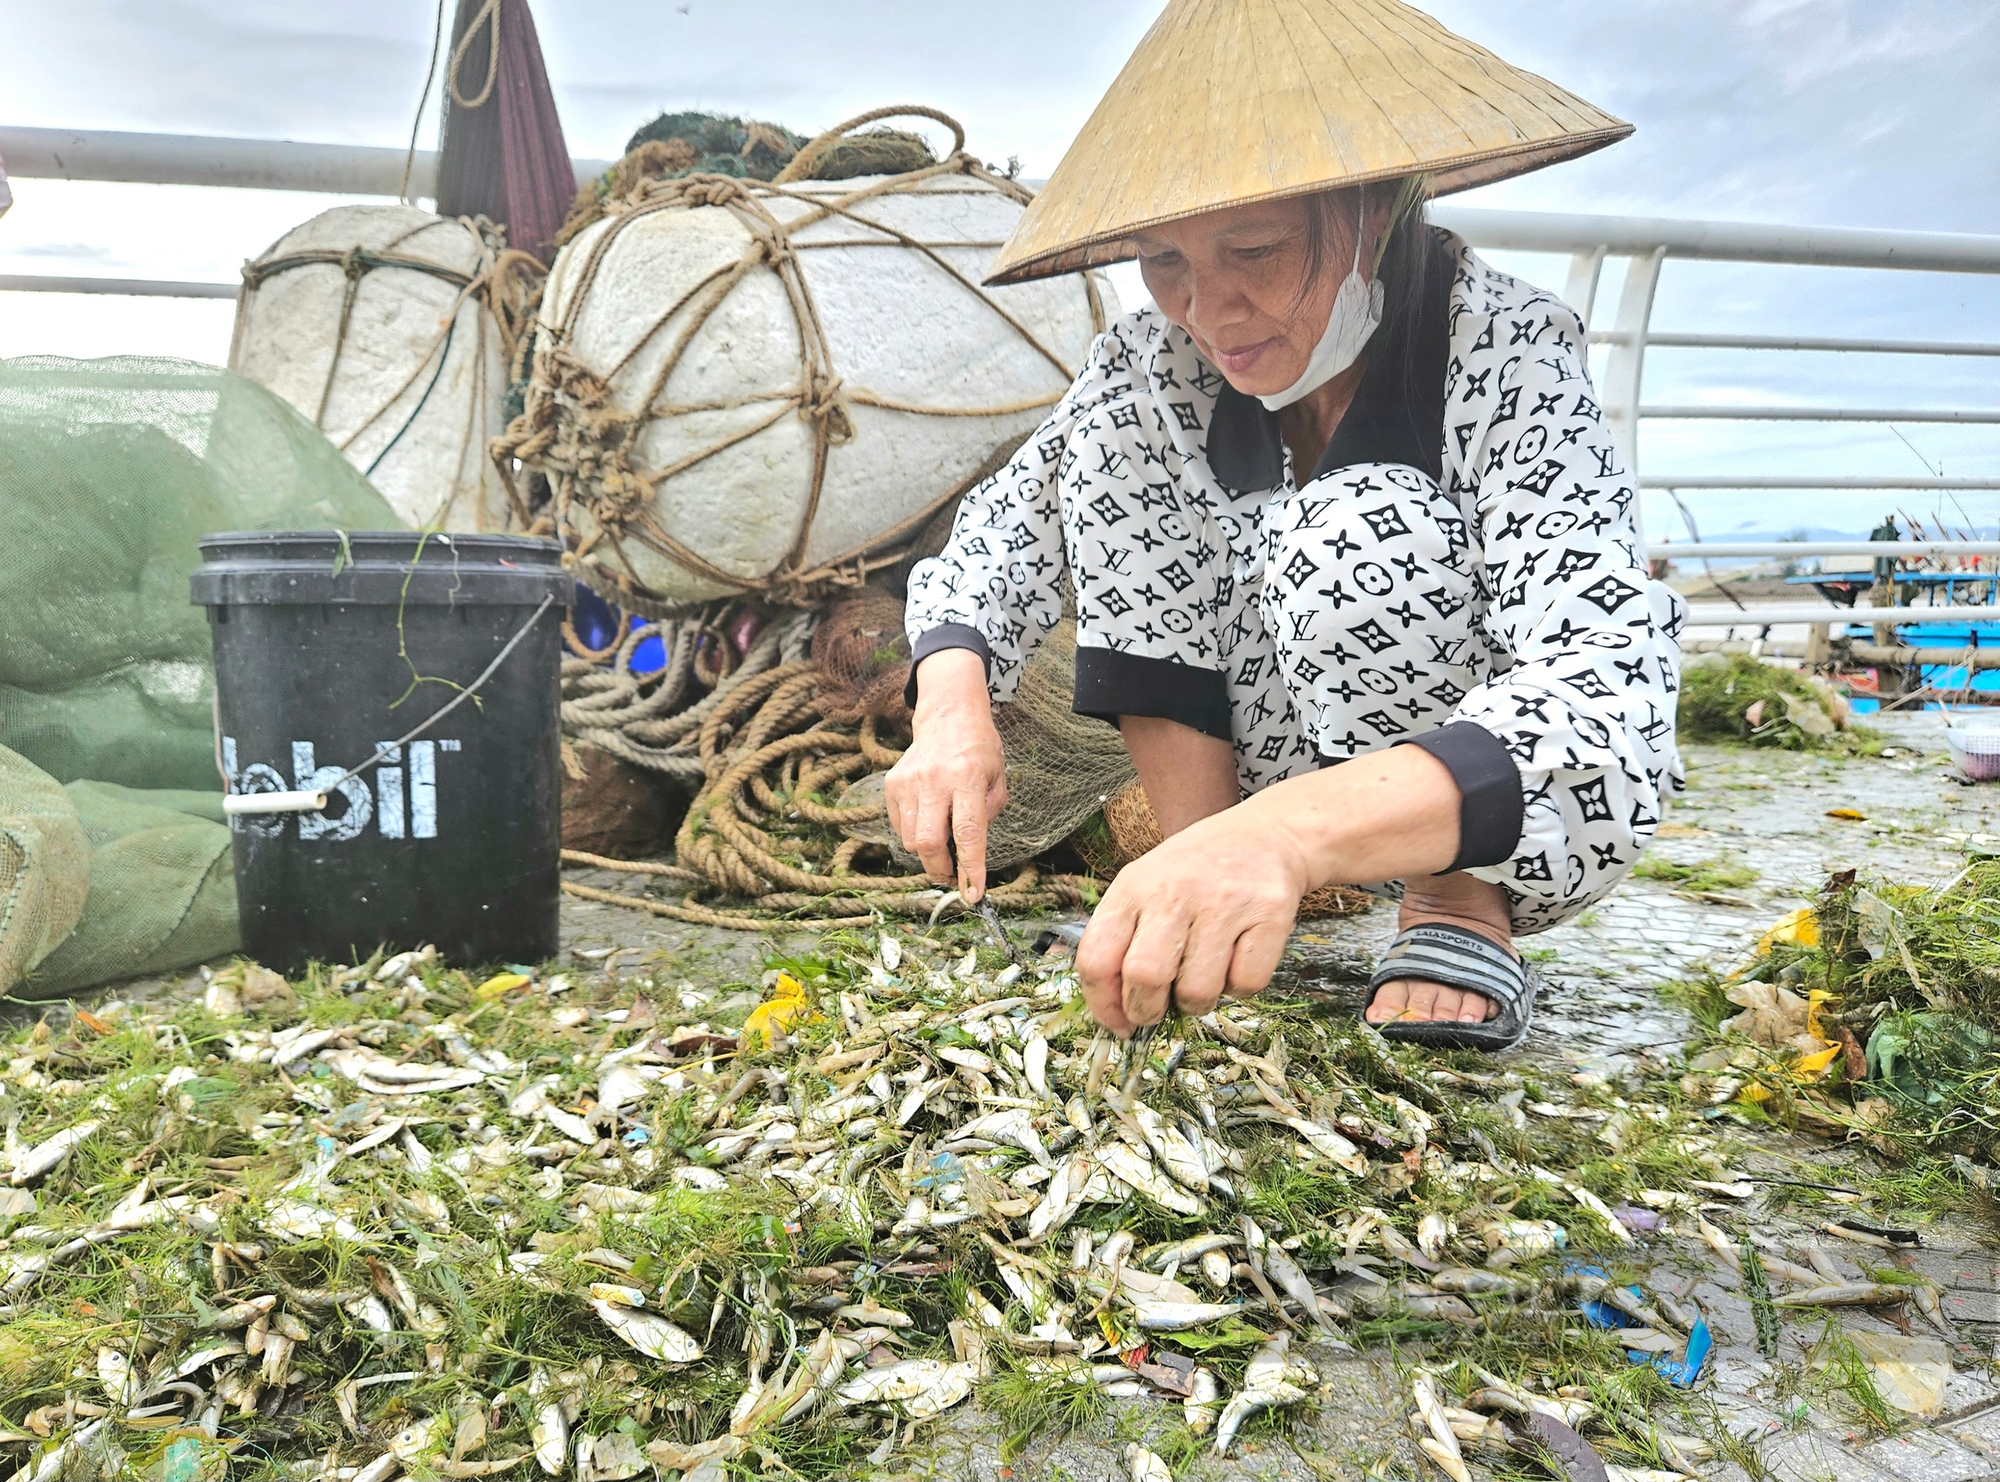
(1457, 958)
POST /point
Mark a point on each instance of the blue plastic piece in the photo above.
(650, 657)
(1686, 1370)
(1682, 1371)
(945, 1169)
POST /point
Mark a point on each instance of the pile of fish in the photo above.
(388, 1219)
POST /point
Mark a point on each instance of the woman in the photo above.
(1351, 551)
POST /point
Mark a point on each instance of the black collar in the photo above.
(1397, 415)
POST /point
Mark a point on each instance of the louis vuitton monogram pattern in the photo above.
(1371, 605)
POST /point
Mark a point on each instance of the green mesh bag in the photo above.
(111, 472)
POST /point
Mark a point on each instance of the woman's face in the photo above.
(1235, 281)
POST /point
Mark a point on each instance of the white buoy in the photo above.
(397, 361)
(862, 316)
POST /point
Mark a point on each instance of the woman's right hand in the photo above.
(952, 782)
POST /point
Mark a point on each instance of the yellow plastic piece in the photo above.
(500, 985)
(785, 1007)
(1798, 928)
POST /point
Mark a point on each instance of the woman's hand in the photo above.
(952, 782)
(1206, 914)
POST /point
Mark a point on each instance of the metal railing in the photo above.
(167, 159)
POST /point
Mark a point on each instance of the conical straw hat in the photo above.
(1231, 101)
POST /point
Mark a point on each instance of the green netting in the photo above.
(44, 865)
(162, 891)
(111, 471)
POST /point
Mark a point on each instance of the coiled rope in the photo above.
(763, 827)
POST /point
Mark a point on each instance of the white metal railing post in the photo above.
(1625, 369)
(1580, 293)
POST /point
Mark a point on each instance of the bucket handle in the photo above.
(237, 803)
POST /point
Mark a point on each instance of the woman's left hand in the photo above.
(1205, 914)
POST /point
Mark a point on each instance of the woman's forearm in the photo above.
(1382, 816)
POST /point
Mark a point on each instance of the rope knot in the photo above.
(353, 262)
(711, 190)
(821, 401)
(622, 493)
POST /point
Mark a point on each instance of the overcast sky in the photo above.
(1882, 113)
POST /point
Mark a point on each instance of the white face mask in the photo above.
(1357, 310)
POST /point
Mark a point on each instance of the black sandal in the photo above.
(1459, 958)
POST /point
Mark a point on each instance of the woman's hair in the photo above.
(1404, 263)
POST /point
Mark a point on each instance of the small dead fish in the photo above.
(550, 1433)
(1272, 1378)
(1217, 1268)
(1203, 1402)
(1176, 1317)
(650, 1333)
(403, 964)
(1011, 1126)
(1181, 1159)
(1442, 1446)
(114, 1372)
(1142, 1465)
(1443, 1307)
(966, 1059)
(1524, 1238)
(1845, 1294)
(1128, 1164)
(1433, 1230)
(1329, 1144)
(1500, 1394)
(871, 1312)
(1180, 1252)
(1294, 1283)
(1471, 1281)
(1598, 1207)
(1061, 1199)
(923, 1387)
(240, 1314)
(47, 1156)
(1035, 1064)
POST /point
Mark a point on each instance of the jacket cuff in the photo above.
(943, 636)
(1110, 684)
(1491, 800)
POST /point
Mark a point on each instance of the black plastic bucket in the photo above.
(454, 839)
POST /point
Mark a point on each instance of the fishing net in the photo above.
(694, 143)
(162, 891)
(757, 428)
(1061, 766)
(111, 471)
(44, 866)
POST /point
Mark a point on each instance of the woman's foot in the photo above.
(1450, 900)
